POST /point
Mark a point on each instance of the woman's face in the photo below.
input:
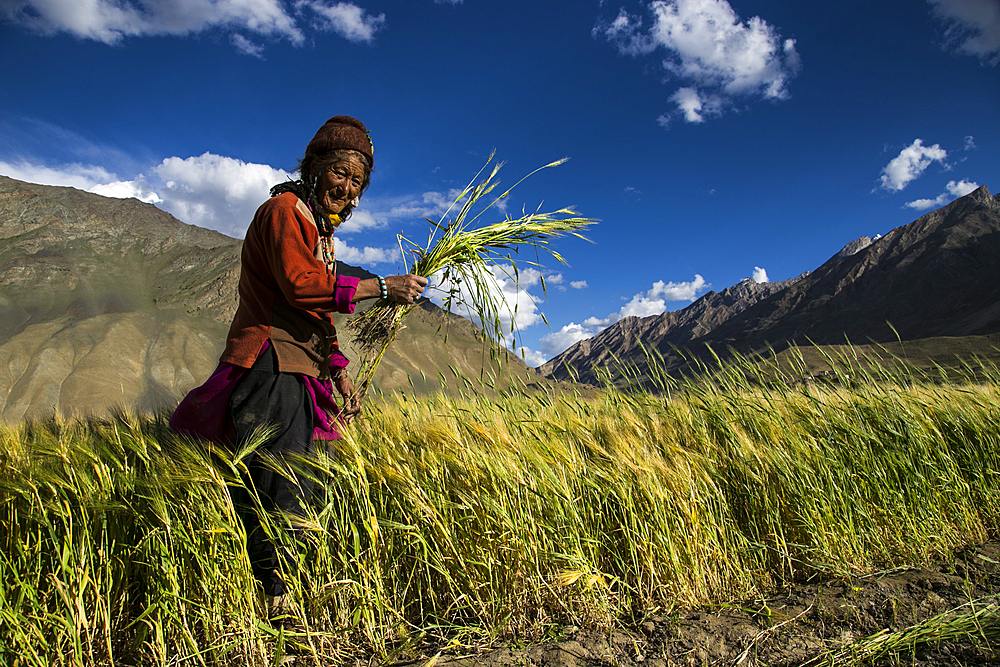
(338, 184)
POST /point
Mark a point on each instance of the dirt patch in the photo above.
(805, 622)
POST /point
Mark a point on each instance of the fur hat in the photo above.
(342, 132)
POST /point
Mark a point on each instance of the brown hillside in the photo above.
(109, 302)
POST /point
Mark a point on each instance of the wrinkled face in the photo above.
(339, 183)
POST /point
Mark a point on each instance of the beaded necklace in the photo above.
(326, 224)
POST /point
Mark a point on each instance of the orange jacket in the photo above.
(287, 295)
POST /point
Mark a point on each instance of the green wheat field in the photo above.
(492, 517)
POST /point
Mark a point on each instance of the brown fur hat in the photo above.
(342, 132)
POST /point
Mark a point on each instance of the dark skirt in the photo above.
(267, 397)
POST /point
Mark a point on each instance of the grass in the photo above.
(473, 520)
(978, 620)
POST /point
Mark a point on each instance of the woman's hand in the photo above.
(401, 289)
(352, 406)
(405, 289)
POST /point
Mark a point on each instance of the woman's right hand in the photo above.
(405, 289)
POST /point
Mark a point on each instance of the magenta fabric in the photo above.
(204, 412)
(343, 295)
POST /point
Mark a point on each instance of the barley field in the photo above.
(492, 516)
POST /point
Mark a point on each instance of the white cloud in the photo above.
(110, 21)
(652, 302)
(448, 2)
(214, 191)
(972, 27)
(911, 162)
(223, 193)
(560, 341)
(80, 176)
(712, 49)
(953, 190)
(431, 205)
(759, 275)
(645, 304)
(579, 284)
(691, 106)
(362, 219)
(924, 204)
(246, 47)
(366, 256)
(346, 19)
(531, 357)
(970, 143)
(138, 189)
(961, 188)
(517, 308)
(626, 32)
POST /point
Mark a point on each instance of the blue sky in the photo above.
(714, 140)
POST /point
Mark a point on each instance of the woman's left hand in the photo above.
(352, 405)
(405, 289)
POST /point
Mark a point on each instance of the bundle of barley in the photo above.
(461, 254)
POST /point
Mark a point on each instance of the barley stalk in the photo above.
(461, 252)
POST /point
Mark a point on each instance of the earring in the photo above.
(356, 201)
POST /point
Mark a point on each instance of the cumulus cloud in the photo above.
(694, 106)
(211, 191)
(759, 275)
(953, 190)
(972, 27)
(223, 193)
(653, 301)
(431, 205)
(911, 162)
(363, 218)
(531, 357)
(110, 21)
(246, 47)
(137, 188)
(579, 284)
(80, 176)
(517, 307)
(214, 191)
(344, 18)
(644, 304)
(560, 341)
(709, 47)
(365, 256)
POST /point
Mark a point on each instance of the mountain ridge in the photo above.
(673, 327)
(936, 276)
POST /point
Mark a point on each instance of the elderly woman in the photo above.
(282, 362)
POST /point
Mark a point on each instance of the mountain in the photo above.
(938, 276)
(626, 337)
(112, 302)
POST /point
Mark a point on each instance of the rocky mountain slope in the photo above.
(107, 302)
(937, 276)
(626, 337)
